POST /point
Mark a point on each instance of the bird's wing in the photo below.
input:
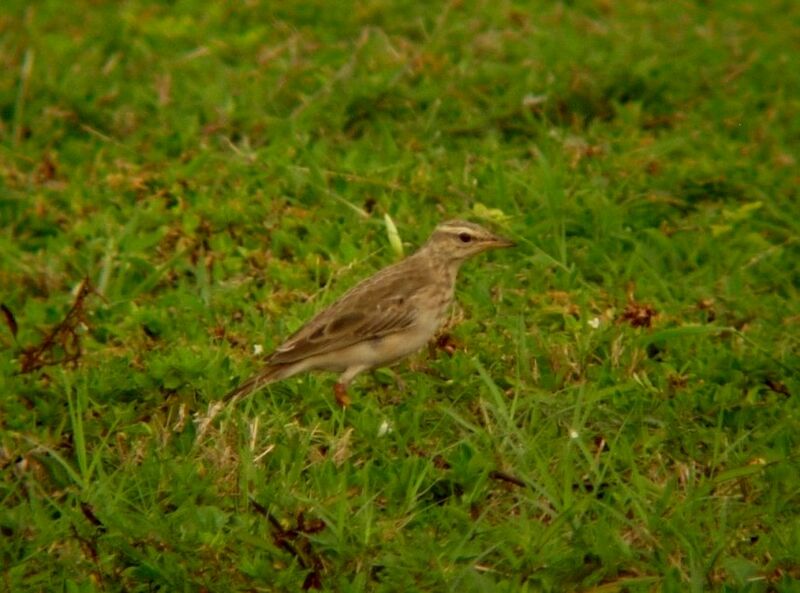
(379, 306)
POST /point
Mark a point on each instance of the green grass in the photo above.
(621, 409)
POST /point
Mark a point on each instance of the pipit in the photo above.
(383, 318)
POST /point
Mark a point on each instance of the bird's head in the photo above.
(457, 240)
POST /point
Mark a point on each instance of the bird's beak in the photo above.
(498, 242)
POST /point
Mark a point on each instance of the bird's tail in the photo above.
(267, 375)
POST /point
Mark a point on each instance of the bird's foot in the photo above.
(340, 391)
(398, 382)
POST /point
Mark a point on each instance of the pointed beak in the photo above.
(498, 242)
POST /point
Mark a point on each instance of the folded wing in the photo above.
(353, 318)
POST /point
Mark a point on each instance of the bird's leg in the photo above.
(398, 381)
(399, 384)
(340, 391)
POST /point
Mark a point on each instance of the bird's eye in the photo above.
(465, 237)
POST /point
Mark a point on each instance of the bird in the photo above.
(382, 319)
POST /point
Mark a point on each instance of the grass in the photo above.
(617, 407)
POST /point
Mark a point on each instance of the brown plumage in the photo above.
(383, 318)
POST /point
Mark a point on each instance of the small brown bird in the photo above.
(383, 318)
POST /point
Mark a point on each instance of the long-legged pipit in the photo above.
(382, 319)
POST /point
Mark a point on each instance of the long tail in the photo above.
(267, 375)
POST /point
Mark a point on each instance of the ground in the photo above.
(614, 406)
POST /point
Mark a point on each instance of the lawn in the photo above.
(614, 404)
